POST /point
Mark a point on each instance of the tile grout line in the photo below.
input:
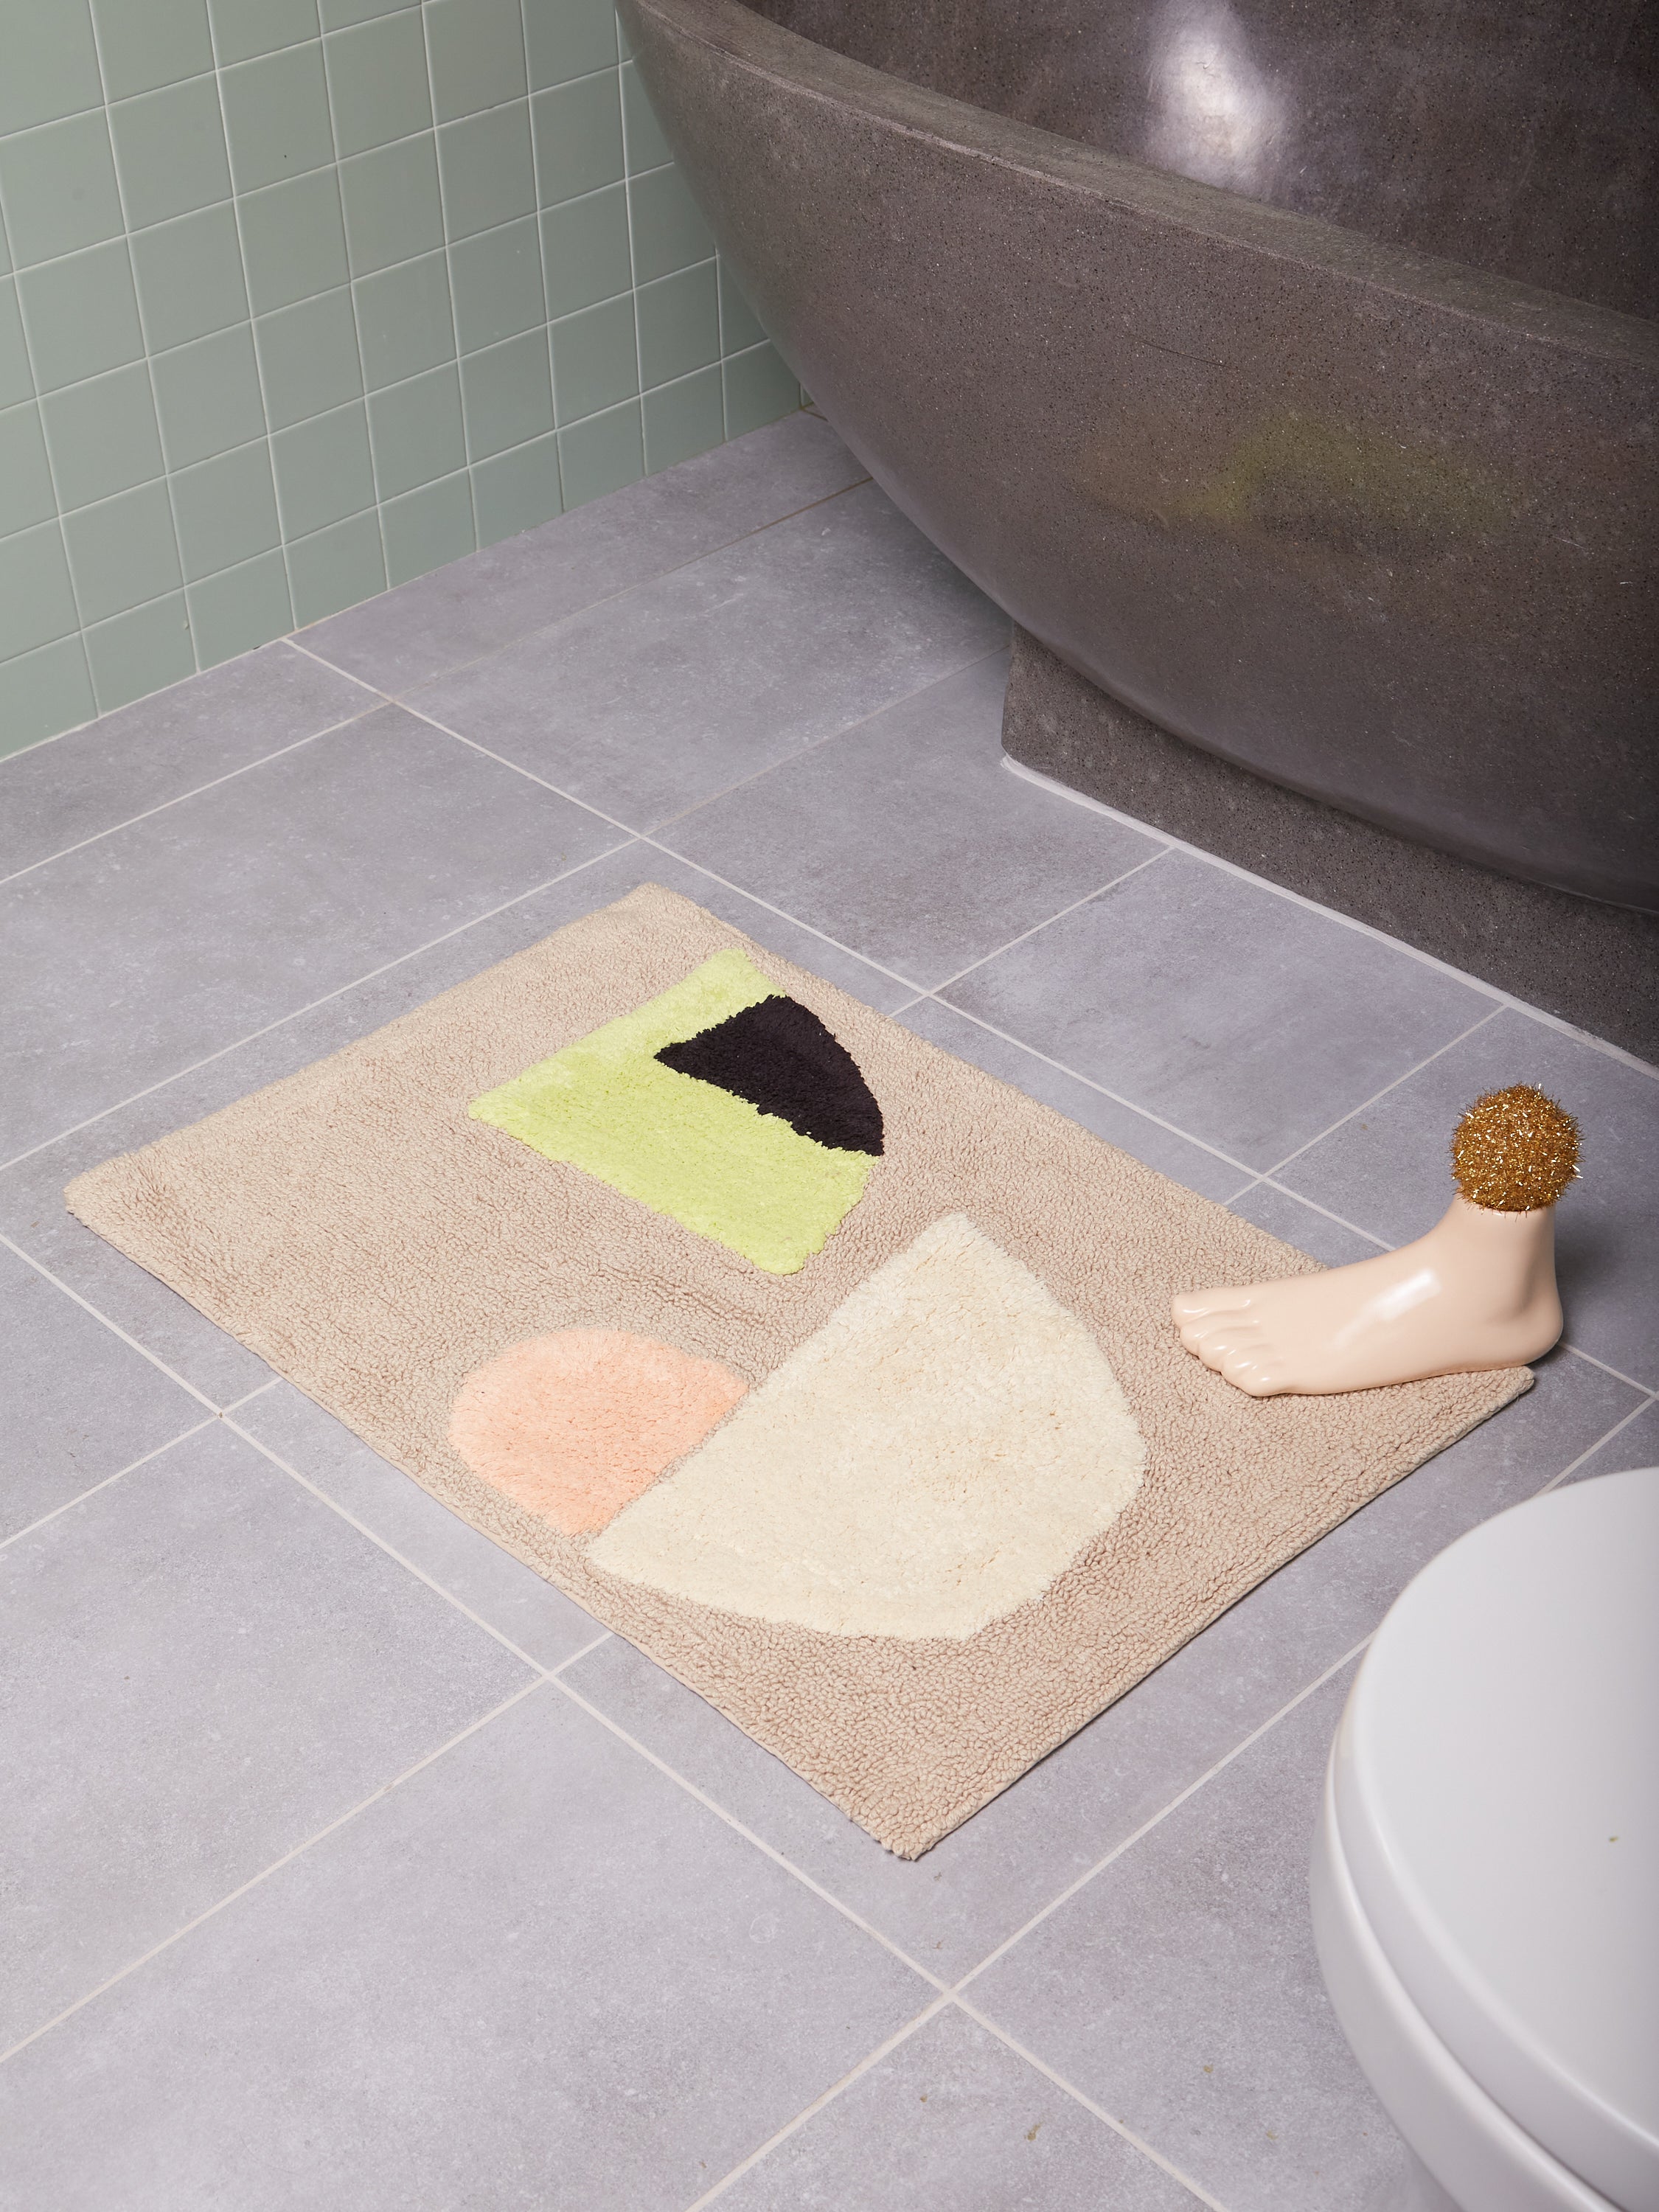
(447, 246)
(80, 1498)
(1572, 1466)
(1036, 928)
(1617, 1373)
(113, 1327)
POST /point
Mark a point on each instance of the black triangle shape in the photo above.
(780, 1058)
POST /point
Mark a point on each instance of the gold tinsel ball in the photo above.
(1515, 1150)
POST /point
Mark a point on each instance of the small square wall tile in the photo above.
(337, 568)
(122, 551)
(429, 527)
(295, 240)
(507, 395)
(679, 318)
(517, 490)
(207, 394)
(417, 431)
(102, 436)
(477, 50)
(324, 472)
(647, 147)
(684, 418)
(740, 326)
(393, 207)
(497, 280)
(246, 27)
(276, 116)
(16, 379)
(82, 315)
(26, 494)
(140, 652)
(42, 693)
(225, 510)
(595, 359)
(37, 604)
(405, 319)
(602, 454)
(569, 38)
(147, 43)
(190, 277)
(308, 357)
(669, 231)
(488, 170)
(52, 63)
(170, 146)
(377, 82)
(240, 608)
(579, 137)
(760, 385)
(60, 187)
(585, 250)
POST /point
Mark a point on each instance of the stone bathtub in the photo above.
(1287, 372)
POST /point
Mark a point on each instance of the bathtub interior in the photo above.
(1517, 137)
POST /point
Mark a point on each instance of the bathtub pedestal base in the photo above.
(1595, 966)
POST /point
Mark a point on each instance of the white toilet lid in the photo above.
(1497, 1802)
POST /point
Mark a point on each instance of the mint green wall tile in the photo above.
(42, 693)
(427, 527)
(170, 146)
(340, 15)
(26, 494)
(122, 551)
(240, 608)
(36, 602)
(276, 117)
(579, 138)
(323, 471)
(585, 253)
(392, 209)
(5, 253)
(81, 314)
(624, 44)
(377, 82)
(207, 394)
(404, 316)
(140, 652)
(59, 188)
(225, 510)
(102, 436)
(416, 428)
(595, 360)
(308, 354)
(497, 281)
(190, 277)
(477, 54)
(517, 490)
(647, 147)
(293, 240)
(336, 568)
(146, 43)
(246, 27)
(569, 38)
(602, 454)
(679, 325)
(741, 325)
(506, 396)
(15, 381)
(760, 385)
(684, 418)
(487, 171)
(669, 231)
(50, 62)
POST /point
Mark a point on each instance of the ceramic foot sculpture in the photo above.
(1477, 1292)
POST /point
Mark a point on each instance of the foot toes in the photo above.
(1199, 1305)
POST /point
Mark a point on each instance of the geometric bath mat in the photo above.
(835, 1375)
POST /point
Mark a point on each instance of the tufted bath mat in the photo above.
(832, 1373)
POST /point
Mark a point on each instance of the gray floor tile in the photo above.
(142, 756)
(77, 1405)
(905, 838)
(1242, 1017)
(953, 2122)
(512, 1597)
(1011, 1063)
(138, 955)
(475, 605)
(1637, 1445)
(950, 1909)
(206, 1665)
(1303, 1226)
(1387, 1171)
(1180, 1991)
(654, 701)
(536, 1978)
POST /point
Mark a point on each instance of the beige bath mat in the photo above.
(834, 1374)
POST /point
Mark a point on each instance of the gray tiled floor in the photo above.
(348, 1863)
